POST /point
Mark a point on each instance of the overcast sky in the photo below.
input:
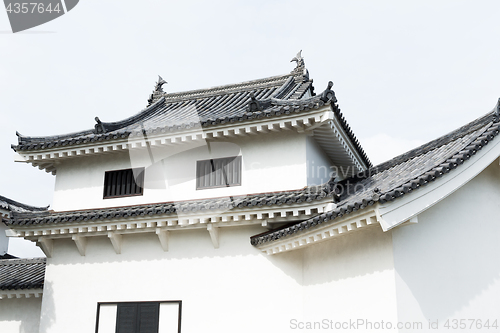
(404, 72)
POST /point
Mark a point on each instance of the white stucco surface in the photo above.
(271, 162)
(20, 315)
(4, 240)
(319, 167)
(233, 288)
(350, 279)
(447, 265)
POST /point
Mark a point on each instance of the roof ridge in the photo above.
(17, 261)
(428, 146)
(222, 89)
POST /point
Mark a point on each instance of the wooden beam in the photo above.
(47, 246)
(297, 126)
(214, 235)
(81, 243)
(116, 240)
(163, 237)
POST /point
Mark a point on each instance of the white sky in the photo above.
(405, 72)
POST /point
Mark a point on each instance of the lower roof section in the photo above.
(262, 200)
(394, 179)
(21, 274)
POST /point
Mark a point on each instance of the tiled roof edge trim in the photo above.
(12, 203)
(112, 126)
(24, 261)
(426, 147)
(307, 194)
(457, 159)
(24, 140)
(347, 129)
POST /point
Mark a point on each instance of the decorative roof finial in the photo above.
(299, 60)
(254, 105)
(157, 91)
(300, 71)
(99, 127)
(328, 94)
(160, 83)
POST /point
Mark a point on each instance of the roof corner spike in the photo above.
(19, 137)
(299, 60)
(158, 91)
(300, 71)
(328, 94)
(159, 84)
(99, 127)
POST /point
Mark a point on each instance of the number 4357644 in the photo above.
(31, 7)
(470, 324)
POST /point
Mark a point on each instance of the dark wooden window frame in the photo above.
(144, 302)
(210, 163)
(133, 188)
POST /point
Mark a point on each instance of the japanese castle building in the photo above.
(253, 207)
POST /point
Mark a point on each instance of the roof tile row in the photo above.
(308, 194)
(18, 274)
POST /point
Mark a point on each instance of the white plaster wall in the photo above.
(20, 315)
(319, 167)
(350, 280)
(235, 288)
(271, 162)
(448, 264)
(4, 240)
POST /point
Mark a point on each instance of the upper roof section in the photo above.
(14, 206)
(205, 107)
(231, 107)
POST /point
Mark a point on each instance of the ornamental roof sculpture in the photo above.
(157, 92)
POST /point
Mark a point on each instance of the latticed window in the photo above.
(123, 183)
(139, 317)
(220, 172)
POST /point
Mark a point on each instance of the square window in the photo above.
(123, 183)
(220, 172)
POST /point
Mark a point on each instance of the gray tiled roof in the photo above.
(308, 194)
(403, 174)
(15, 206)
(275, 96)
(177, 111)
(22, 273)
